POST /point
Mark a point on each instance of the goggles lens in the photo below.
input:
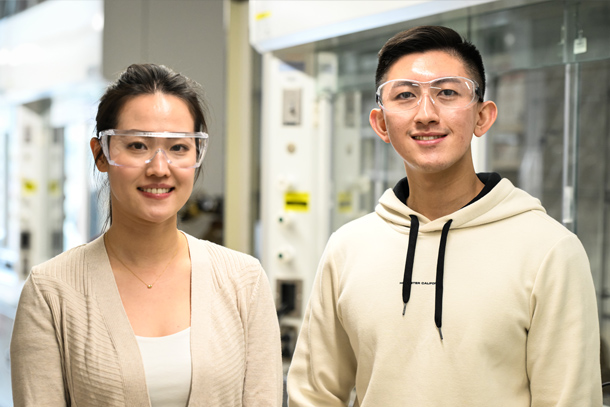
(127, 148)
(453, 92)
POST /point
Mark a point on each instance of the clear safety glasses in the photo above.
(131, 148)
(452, 92)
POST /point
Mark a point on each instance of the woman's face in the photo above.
(153, 193)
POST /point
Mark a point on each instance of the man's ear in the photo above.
(98, 155)
(377, 121)
(488, 112)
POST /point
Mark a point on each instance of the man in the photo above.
(458, 290)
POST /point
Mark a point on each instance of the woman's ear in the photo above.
(377, 121)
(488, 112)
(100, 159)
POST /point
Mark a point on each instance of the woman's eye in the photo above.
(136, 146)
(180, 148)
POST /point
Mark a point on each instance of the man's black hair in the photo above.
(431, 38)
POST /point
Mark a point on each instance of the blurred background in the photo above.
(289, 86)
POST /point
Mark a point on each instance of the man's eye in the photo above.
(404, 95)
(448, 93)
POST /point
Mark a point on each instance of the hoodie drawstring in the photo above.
(408, 277)
(440, 271)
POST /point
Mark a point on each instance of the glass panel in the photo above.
(363, 165)
(525, 37)
(526, 142)
(588, 30)
(593, 181)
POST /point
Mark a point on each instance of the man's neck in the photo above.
(437, 195)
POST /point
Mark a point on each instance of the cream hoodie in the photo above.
(519, 315)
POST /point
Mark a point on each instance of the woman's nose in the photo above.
(158, 163)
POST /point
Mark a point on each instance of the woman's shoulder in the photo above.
(229, 257)
(226, 264)
(67, 267)
(70, 258)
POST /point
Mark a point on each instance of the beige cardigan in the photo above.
(73, 344)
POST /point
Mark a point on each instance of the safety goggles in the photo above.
(452, 92)
(132, 148)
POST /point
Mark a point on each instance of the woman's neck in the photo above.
(147, 245)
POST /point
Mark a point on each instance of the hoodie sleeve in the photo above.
(322, 372)
(563, 347)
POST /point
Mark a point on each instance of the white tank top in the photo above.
(167, 365)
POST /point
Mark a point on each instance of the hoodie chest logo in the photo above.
(422, 282)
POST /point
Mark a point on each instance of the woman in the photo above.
(145, 314)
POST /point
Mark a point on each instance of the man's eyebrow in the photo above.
(451, 79)
(403, 82)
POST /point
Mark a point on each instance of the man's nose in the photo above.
(426, 108)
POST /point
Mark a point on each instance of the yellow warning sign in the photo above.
(262, 15)
(54, 187)
(29, 186)
(296, 201)
(344, 201)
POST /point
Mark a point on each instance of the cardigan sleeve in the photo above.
(323, 369)
(563, 340)
(263, 381)
(36, 363)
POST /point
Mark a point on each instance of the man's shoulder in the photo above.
(362, 225)
(359, 234)
(541, 224)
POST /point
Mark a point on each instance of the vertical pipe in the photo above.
(570, 123)
(4, 158)
(238, 213)
(570, 145)
(602, 291)
(324, 171)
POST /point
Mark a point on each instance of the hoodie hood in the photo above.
(502, 201)
(498, 200)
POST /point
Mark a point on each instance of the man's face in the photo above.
(431, 138)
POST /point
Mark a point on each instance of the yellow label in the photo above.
(296, 201)
(29, 186)
(54, 187)
(344, 201)
(262, 16)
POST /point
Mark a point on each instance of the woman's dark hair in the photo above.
(431, 38)
(148, 79)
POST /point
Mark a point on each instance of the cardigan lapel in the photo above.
(119, 328)
(202, 292)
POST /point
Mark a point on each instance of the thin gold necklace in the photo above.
(135, 275)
